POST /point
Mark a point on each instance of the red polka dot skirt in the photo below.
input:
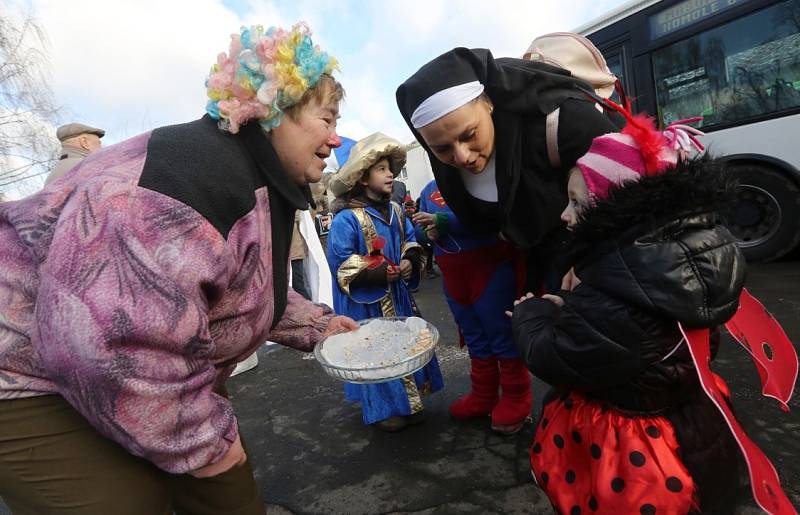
(592, 461)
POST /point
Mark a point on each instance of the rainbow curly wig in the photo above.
(263, 74)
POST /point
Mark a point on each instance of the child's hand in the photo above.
(424, 219)
(406, 269)
(525, 297)
(432, 233)
(392, 273)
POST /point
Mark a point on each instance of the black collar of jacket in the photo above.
(285, 198)
(269, 165)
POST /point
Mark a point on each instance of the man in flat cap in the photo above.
(77, 142)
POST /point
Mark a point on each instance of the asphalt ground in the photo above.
(312, 454)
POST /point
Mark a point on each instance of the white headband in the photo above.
(443, 102)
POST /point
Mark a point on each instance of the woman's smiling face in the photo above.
(463, 138)
(305, 140)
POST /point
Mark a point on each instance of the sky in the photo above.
(128, 66)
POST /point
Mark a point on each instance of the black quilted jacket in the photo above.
(650, 256)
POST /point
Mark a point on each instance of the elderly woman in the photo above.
(482, 122)
(131, 286)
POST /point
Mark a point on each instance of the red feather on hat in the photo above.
(376, 257)
(642, 129)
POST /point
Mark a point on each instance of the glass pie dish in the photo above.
(382, 349)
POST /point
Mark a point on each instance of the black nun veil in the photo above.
(531, 192)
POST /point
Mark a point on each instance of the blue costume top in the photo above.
(455, 237)
(480, 279)
(351, 241)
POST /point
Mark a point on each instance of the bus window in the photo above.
(614, 62)
(746, 68)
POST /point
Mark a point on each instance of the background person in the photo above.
(298, 255)
(77, 142)
(399, 192)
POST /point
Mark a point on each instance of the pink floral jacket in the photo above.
(133, 284)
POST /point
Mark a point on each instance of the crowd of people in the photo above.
(575, 241)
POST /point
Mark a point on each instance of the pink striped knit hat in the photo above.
(639, 150)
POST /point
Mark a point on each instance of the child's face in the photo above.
(578, 197)
(379, 178)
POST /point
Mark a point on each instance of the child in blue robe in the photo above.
(374, 260)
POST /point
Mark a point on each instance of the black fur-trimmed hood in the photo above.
(657, 243)
(694, 187)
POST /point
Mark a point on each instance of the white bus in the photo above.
(737, 64)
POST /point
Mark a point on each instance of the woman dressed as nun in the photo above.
(483, 122)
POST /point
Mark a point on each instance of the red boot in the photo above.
(482, 397)
(514, 407)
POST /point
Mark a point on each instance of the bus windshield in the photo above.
(744, 69)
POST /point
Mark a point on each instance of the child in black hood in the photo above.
(629, 428)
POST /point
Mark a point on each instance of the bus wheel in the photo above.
(766, 216)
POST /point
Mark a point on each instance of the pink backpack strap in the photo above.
(551, 138)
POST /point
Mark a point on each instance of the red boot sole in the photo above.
(511, 428)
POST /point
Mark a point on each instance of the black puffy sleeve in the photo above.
(591, 343)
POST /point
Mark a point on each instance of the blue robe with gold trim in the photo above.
(349, 243)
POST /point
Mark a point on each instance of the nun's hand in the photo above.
(340, 324)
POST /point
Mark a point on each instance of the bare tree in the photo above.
(27, 106)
